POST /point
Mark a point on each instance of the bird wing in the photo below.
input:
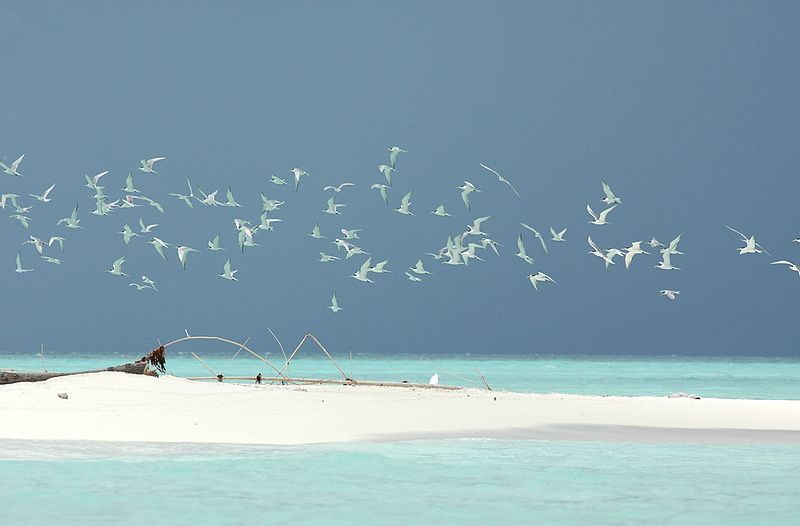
(520, 245)
(605, 212)
(365, 266)
(607, 190)
(476, 225)
(591, 244)
(744, 237)
(591, 212)
(782, 262)
(15, 164)
(406, 200)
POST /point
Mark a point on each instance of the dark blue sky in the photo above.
(690, 111)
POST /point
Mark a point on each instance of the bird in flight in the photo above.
(601, 219)
(671, 294)
(43, 198)
(501, 178)
(337, 189)
(610, 198)
(227, 273)
(146, 165)
(539, 277)
(335, 304)
(394, 151)
(557, 236)
(19, 269)
(521, 251)
(466, 189)
(750, 247)
(405, 202)
(13, 169)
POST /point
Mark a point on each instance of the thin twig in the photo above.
(224, 340)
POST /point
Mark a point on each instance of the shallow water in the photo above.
(774, 378)
(438, 482)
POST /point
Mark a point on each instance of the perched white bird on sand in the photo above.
(116, 268)
(127, 233)
(386, 170)
(333, 207)
(227, 273)
(666, 263)
(129, 188)
(412, 277)
(214, 244)
(466, 189)
(298, 174)
(13, 169)
(325, 258)
(146, 165)
(274, 179)
(19, 269)
(145, 229)
(382, 188)
(183, 253)
(671, 294)
(610, 198)
(419, 268)
(159, 246)
(501, 178)
(339, 188)
(405, 202)
(537, 235)
(539, 277)
(335, 304)
(440, 211)
(792, 266)
(601, 219)
(521, 253)
(634, 249)
(750, 247)
(394, 151)
(557, 236)
(43, 198)
(361, 273)
(315, 232)
(72, 221)
(475, 228)
(434, 379)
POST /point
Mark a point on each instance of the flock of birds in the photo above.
(460, 249)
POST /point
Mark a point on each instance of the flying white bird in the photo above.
(557, 236)
(23, 220)
(127, 233)
(655, 243)
(792, 266)
(537, 235)
(394, 151)
(522, 254)
(386, 170)
(466, 189)
(274, 179)
(149, 282)
(491, 243)
(333, 207)
(412, 277)
(227, 273)
(144, 229)
(440, 211)
(146, 165)
(13, 169)
(71, 221)
(380, 268)
(475, 228)
(673, 247)
(666, 263)
(159, 246)
(610, 198)
(325, 258)
(183, 253)
(19, 269)
(671, 294)
(419, 268)
(596, 251)
(339, 188)
(351, 234)
(361, 273)
(230, 200)
(266, 222)
(601, 219)
(91, 182)
(405, 202)
(750, 247)
(270, 205)
(116, 268)
(186, 198)
(43, 198)
(501, 179)
(56, 239)
(8, 197)
(315, 232)
(36, 242)
(48, 259)
(298, 174)
(335, 304)
(214, 244)
(129, 188)
(382, 188)
(208, 199)
(539, 277)
(634, 249)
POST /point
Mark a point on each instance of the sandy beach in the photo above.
(133, 408)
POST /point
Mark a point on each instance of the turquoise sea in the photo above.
(462, 481)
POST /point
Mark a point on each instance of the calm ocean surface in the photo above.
(435, 481)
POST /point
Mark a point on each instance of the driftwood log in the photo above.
(155, 358)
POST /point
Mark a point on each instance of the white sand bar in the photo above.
(133, 408)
